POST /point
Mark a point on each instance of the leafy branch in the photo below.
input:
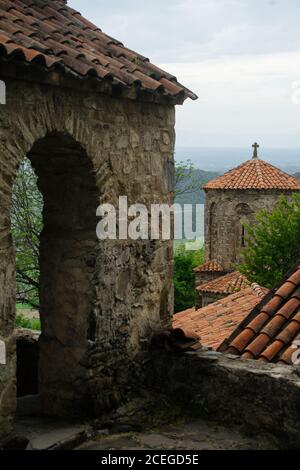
(27, 224)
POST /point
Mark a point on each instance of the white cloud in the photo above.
(240, 56)
(240, 98)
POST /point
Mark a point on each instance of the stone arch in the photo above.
(132, 280)
(68, 253)
(65, 152)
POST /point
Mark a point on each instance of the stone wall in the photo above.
(258, 398)
(225, 214)
(206, 276)
(100, 301)
(202, 299)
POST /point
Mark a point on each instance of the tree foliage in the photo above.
(27, 222)
(185, 180)
(273, 243)
(184, 278)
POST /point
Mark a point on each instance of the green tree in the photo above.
(273, 243)
(184, 278)
(27, 223)
(186, 181)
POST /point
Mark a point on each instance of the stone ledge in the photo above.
(257, 397)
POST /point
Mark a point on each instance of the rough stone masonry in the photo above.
(100, 300)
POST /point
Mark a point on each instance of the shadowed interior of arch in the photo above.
(67, 257)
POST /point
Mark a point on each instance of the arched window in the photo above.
(244, 216)
(243, 240)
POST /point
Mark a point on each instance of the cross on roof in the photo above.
(256, 147)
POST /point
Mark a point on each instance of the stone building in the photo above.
(208, 272)
(97, 122)
(223, 286)
(233, 200)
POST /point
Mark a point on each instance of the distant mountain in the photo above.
(200, 178)
(222, 159)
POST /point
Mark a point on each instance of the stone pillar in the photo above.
(7, 312)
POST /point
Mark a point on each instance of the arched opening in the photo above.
(27, 223)
(243, 236)
(244, 216)
(67, 257)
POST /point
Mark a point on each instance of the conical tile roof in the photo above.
(255, 174)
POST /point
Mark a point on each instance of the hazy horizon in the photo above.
(224, 158)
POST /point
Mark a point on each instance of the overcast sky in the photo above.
(242, 57)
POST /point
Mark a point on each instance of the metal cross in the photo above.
(256, 147)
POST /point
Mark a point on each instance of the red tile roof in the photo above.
(214, 323)
(255, 174)
(53, 36)
(210, 266)
(228, 284)
(269, 331)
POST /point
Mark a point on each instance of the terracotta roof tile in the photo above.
(272, 351)
(289, 308)
(260, 291)
(242, 340)
(255, 174)
(286, 290)
(54, 36)
(258, 322)
(268, 333)
(216, 321)
(210, 266)
(247, 355)
(289, 332)
(228, 284)
(273, 326)
(286, 357)
(258, 344)
(273, 305)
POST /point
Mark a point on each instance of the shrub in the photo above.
(184, 278)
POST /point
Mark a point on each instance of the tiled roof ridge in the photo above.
(268, 332)
(227, 284)
(54, 36)
(258, 290)
(209, 266)
(255, 174)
